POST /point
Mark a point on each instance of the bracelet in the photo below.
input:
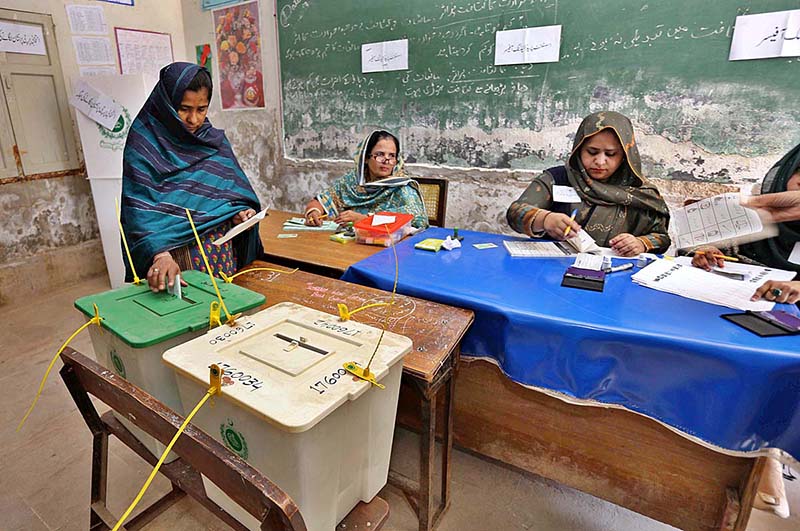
(312, 209)
(544, 218)
(532, 225)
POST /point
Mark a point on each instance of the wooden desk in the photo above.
(310, 251)
(428, 370)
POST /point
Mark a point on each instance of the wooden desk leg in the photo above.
(447, 439)
(99, 483)
(427, 463)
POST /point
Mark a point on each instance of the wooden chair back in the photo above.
(199, 454)
(434, 195)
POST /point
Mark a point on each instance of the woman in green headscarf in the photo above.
(377, 183)
(615, 204)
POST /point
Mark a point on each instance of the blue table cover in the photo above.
(670, 358)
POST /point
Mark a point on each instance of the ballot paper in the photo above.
(753, 274)
(241, 227)
(683, 280)
(592, 262)
(299, 224)
(720, 220)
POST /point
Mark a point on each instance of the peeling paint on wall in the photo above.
(44, 215)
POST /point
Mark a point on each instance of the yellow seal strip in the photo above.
(214, 388)
(136, 279)
(94, 320)
(231, 319)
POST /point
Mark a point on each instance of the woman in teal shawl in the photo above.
(377, 183)
(614, 203)
(173, 160)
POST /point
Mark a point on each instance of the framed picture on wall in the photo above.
(237, 35)
(119, 2)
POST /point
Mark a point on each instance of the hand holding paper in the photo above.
(241, 227)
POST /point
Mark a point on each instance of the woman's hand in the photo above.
(243, 216)
(781, 207)
(313, 213)
(163, 272)
(627, 245)
(555, 224)
(707, 257)
(778, 291)
(348, 216)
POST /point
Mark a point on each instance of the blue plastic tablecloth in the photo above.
(667, 357)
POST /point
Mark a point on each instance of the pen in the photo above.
(622, 267)
(572, 218)
(726, 257)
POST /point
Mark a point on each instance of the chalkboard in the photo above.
(664, 64)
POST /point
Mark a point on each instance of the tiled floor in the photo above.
(44, 484)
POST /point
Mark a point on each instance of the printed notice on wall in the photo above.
(527, 45)
(766, 35)
(93, 50)
(86, 19)
(143, 52)
(104, 70)
(384, 56)
(22, 38)
(95, 105)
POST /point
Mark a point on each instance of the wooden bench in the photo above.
(199, 454)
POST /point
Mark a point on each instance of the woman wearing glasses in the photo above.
(377, 183)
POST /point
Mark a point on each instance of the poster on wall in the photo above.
(143, 52)
(203, 55)
(238, 40)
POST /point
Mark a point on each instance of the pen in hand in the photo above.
(572, 218)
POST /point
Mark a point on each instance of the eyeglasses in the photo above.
(383, 158)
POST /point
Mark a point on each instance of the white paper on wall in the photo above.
(22, 38)
(93, 50)
(95, 105)
(527, 45)
(384, 56)
(766, 35)
(143, 52)
(86, 19)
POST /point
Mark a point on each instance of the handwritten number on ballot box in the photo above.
(241, 377)
(327, 381)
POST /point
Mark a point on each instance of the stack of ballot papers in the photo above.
(682, 279)
(299, 224)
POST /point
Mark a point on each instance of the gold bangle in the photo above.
(312, 209)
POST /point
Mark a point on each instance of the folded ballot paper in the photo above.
(241, 227)
(581, 243)
(694, 283)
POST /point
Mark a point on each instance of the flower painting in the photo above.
(238, 38)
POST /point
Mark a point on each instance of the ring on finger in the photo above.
(776, 292)
(155, 270)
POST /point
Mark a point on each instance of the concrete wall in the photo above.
(478, 198)
(48, 233)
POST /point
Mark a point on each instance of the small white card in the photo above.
(565, 194)
(241, 227)
(95, 105)
(384, 56)
(589, 261)
(378, 220)
(794, 257)
(527, 45)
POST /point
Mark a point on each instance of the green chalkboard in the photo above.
(664, 64)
